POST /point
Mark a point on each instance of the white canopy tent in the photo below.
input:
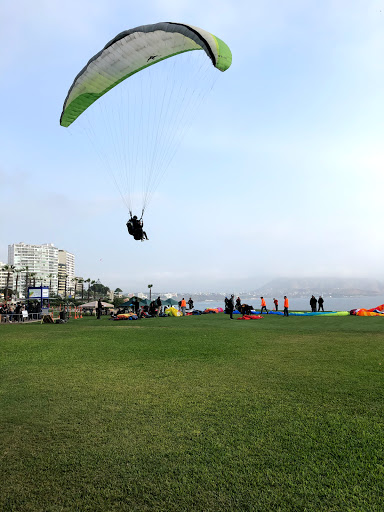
(93, 305)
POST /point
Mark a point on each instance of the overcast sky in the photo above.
(286, 180)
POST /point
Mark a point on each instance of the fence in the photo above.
(24, 316)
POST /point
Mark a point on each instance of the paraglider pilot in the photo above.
(135, 228)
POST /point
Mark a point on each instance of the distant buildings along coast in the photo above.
(42, 265)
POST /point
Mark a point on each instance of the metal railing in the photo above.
(19, 317)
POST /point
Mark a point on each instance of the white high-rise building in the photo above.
(39, 260)
(66, 272)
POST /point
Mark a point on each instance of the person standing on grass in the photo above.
(190, 303)
(10, 313)
(230, 306)
(276, 303)
(18, 311)
(158, 304)
(99, 309)
(286, 306)
(313, 303)
(320, 303)
(24, 316)
(183, 306)
(263, 306)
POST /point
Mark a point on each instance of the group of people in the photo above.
(14, 313)
(231, 305)
(316, 302)
(286, 305)
(276, 304)
(183, 304)
(155, 307)
(245, 309)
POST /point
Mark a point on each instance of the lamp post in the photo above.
(150, 291)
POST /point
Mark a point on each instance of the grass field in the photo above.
(193, 413)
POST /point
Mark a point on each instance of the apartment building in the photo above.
(38, 262)
(66, 272)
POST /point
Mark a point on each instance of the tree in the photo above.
(118, 290)
(75, 280)
(7, 292)
(118, 301)
(32, 275)
(50, 282)
(65, 276)
(18, 272)
(27, 275)
(99, 289)
(81, 281)
(89, 283)
(9, 269)
(94, 291)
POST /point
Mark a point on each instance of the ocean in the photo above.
(302, 304)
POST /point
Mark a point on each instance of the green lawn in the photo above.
(193, 414)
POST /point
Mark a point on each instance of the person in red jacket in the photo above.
(276, 303)
(263, 305)
(286, 306)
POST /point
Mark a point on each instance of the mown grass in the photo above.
(194, 413)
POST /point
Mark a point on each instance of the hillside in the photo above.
(335, 287)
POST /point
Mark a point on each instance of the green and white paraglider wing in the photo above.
(137, 127)
(132, 51)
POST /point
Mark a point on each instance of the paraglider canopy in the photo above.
(138, 136)
(132, 51)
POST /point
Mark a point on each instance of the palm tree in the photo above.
(89, 283)
(75, 280)
(94, 291)
(33, 275)
(9, 269)
(18, 272)
(27, 276)
(81, 281)
(65, 276)
(150, 291)
(32, 280)
(50, 282)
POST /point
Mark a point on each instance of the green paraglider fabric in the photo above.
(132, 51)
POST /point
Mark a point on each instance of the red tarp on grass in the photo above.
(250, 317)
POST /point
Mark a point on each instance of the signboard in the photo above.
(42, 292)
(34, 293)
